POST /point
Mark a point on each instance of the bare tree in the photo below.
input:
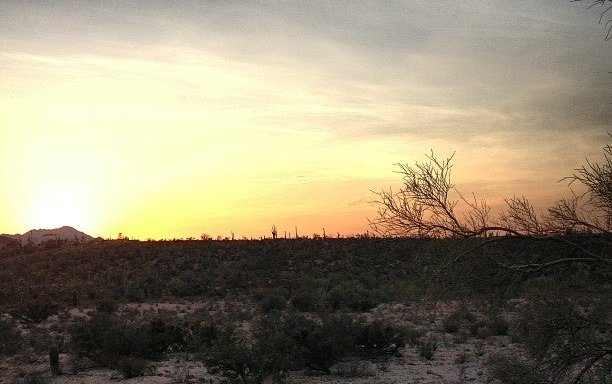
(605, 16)
(429, 205)
(566, 341)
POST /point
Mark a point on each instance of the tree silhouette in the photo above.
(567, 341)
(605, 16)
(429, 205)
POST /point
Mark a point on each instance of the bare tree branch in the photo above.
(520, 216)
(606, 4)
(597, 178)
(429, 205)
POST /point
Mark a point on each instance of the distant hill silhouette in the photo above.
(37, 236)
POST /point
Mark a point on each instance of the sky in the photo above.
(169, 119)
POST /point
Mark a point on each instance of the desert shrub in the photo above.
(484, 331)
(105, 340)
(78, 364)
(235, 280)
(188, 283)
(350, 295)
(40, 338)
(463, 318)
(451, 324)
(278, 350)
(231, 356)
(132, 367)
(461, 337)
(485, 328)
(32, 378)
(106, 305)
(480, 329)
(279, 290)
(161, 337)
(283, 341)
(462, 358)
(566, 340)
(245, 361)
(272, 302)
(199, 335)
(380, 338)
(427, 347)
(88, 337)
(306, 301)
(135, 293)
(322, 344)
(499, 326)
(36, 311)
(10, 336)
(459, 317)
(413, 335)
(510, 370)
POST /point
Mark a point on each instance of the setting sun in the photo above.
(57, 207)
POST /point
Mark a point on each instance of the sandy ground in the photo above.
(456, 359)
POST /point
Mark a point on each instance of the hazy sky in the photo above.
(172, 118)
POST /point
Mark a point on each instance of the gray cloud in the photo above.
(453, 70)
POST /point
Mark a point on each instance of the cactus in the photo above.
(54, 360)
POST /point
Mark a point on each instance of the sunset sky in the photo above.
(163, 119)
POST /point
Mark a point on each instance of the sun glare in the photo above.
(56, 208)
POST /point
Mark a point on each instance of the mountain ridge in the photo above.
(38, 236)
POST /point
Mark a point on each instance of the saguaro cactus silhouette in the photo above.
(54, 360)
